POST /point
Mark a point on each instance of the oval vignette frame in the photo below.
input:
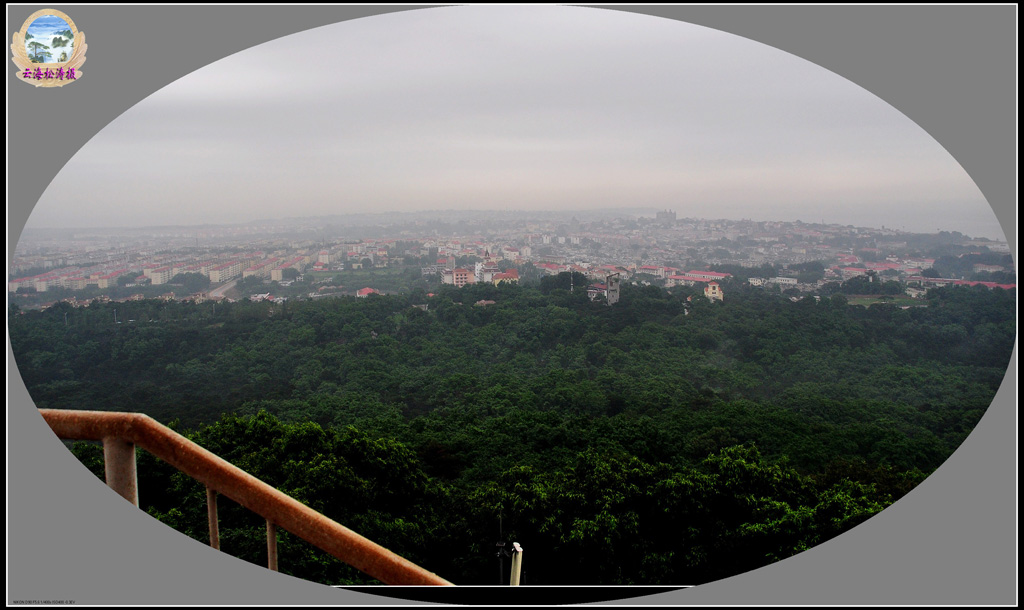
(689, 597)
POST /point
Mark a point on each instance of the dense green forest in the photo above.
(658, 441)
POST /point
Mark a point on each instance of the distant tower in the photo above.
(612, 284)
(714, 292)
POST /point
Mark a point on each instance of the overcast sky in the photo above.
(514, 108)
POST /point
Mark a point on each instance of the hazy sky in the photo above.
(521, 108)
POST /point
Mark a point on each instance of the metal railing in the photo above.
(122, 432)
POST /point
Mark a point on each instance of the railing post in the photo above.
(517, 564)
(271, 545)
(211, 516)
(119, 468)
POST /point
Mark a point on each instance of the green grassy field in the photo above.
(316, 276)
(868, 300)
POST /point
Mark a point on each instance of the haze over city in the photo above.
(520, 109)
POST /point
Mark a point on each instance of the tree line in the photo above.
(666, 439)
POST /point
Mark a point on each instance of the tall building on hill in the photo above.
(457, 277)
(612, 288)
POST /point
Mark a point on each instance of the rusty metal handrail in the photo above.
(120, 432)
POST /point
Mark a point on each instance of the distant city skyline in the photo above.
(515, 108)
(584, 216)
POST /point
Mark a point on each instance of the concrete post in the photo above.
(119, 468)
(517, 564)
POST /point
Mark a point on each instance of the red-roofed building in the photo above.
(106, 281)
(458, 277)
(990, 268)
(297, 263)
(512, 276)
(261, 269)
(923, 263)
(159, 275)
(551, 268)
(225, 272)
(852, 272)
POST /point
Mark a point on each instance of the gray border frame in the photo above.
(952, 69)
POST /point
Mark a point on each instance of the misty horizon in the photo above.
(524, 109)
(982, 229)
